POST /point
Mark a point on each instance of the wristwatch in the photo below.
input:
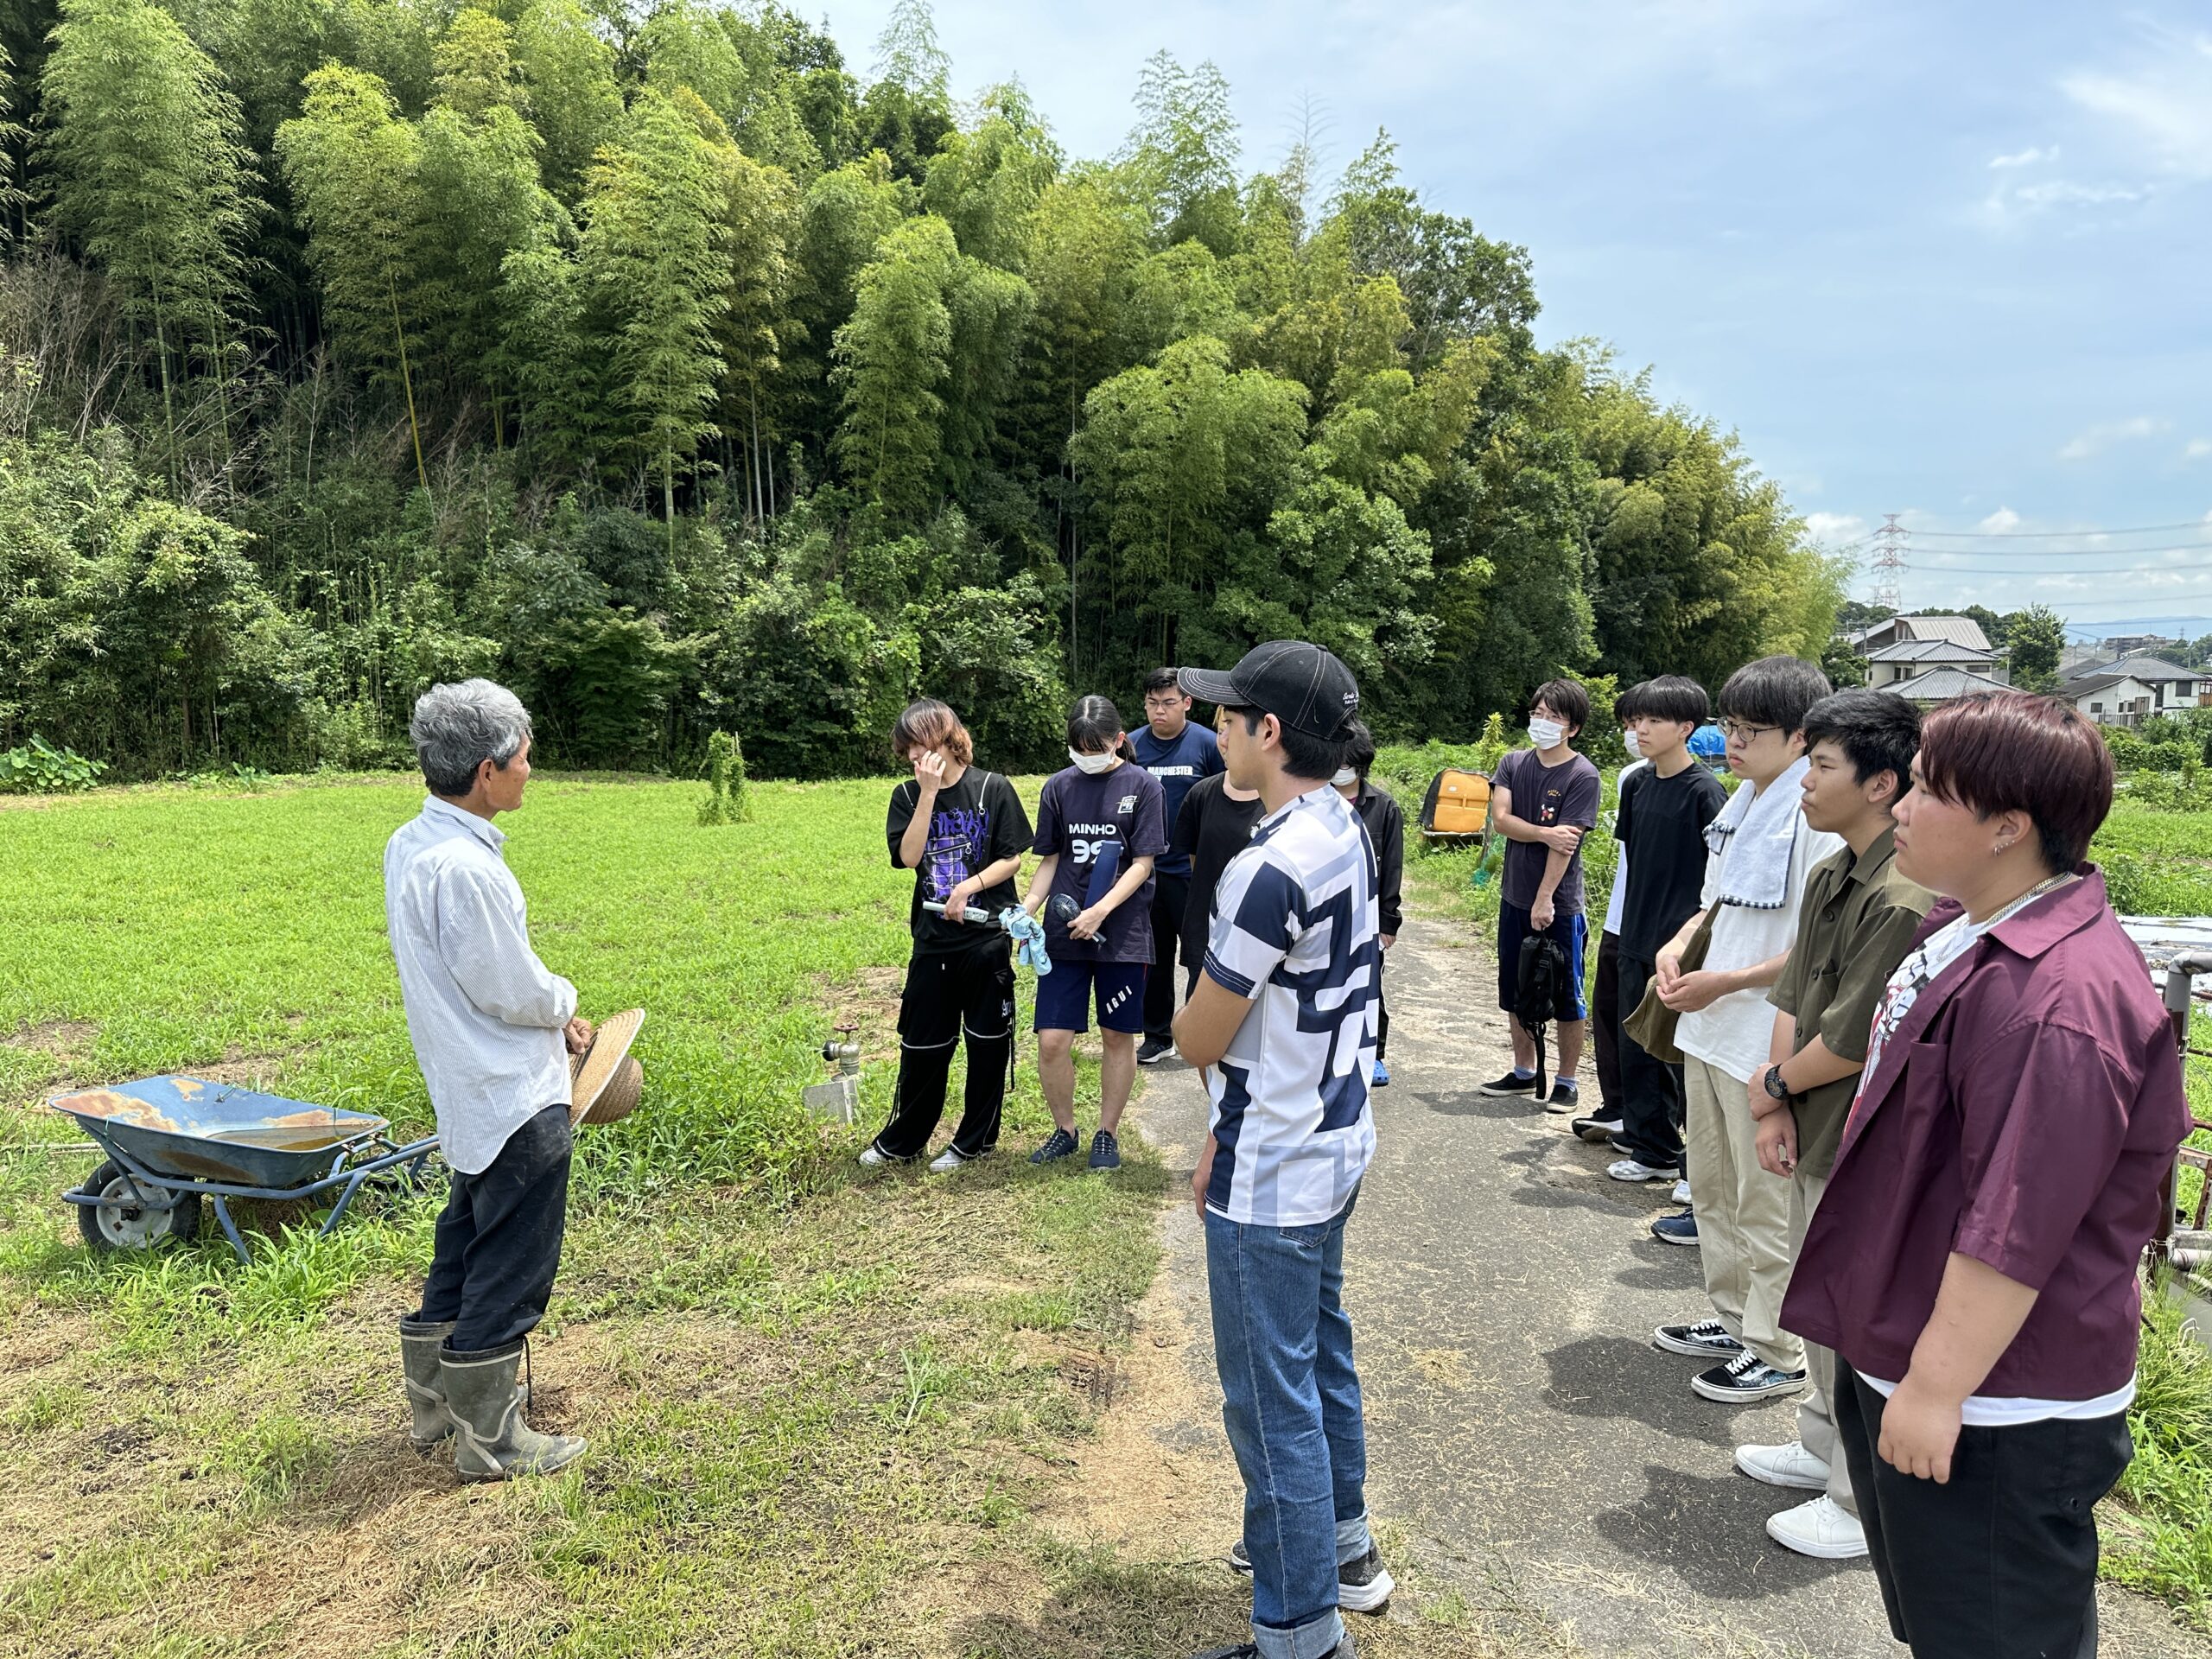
(1775, 1087)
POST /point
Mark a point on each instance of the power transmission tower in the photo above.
(1891, 547)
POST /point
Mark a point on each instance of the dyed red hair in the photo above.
(930, 724)
(2011, 751)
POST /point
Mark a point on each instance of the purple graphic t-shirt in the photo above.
(973, 823)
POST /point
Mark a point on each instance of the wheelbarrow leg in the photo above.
(338, 1209)
(231, 1231)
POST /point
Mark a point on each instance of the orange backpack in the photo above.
(1457, 804)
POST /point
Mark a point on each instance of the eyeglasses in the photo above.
(1164, 702)
(1733, 728)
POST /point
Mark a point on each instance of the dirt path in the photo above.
(1529, 1450)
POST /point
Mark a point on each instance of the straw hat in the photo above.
(604, 1082)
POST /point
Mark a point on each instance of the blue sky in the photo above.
(1950, 261)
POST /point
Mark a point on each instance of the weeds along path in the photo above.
(1542, 1468)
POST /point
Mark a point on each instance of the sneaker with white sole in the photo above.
(1565, 1099)
(1747, 1377)
(874, 1157)
(1363, 1586)
(1634, 1169)
(948, 1161)
(1706, 1339)
(1783, 1466)
(1822, 1528)
(1681, 1192)
(1058, 1145)
(1153, 1050)
(1678, 1228)
(1600, 1126)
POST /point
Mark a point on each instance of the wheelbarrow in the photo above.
(173, 1141)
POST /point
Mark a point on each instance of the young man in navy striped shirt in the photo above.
(1282, 1022)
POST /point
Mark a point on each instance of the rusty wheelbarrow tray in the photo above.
(172, 1142)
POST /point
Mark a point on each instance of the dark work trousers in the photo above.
(950, 994)
(499, 1240)
(1170, 896)
(1605, 1022)
(2000, 1560)
(1652, 1102)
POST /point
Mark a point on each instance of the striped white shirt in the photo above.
(1294, 930)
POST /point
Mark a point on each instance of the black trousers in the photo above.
(1382, 1009)
(1170, 896)
(499, 1240)
(1605, 1024)
(2000, 1561)
(1652, 1101)
(951, 994)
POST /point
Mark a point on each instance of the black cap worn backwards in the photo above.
(1303, 686)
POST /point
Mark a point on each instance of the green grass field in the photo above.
(828, 1411)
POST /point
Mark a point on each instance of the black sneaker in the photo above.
(1706, 1339)
(1058, 1145)
(1511, 1083)
(1747, 1377)
(1564, 1097)
(1153, 1050)
(1363, 1586)
(1601, 1129)
(1105, 1151)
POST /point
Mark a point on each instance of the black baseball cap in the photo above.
(1302, 685)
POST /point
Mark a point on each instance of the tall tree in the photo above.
(1182, 156)
(353, 166)
(891, 362)
(654, 255)
(151, 175)
(2035, 640)
(574, 102)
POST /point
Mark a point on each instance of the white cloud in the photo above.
(2097, 439)
(1834, 528)
(2027, 157)
(2163, 103)
(2069, 193)
(2198, 448)
(2003, 518)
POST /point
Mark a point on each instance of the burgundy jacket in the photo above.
(2024, 1114)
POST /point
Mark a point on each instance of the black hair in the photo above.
(1568, 699)
(1774, 692)
(1627, 706)
(1359, 748)
(1162, 679)
(1093, 725)
(1878, 732)
(1303, 756)
(1672, 696)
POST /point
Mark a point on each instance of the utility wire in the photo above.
(2053, 535)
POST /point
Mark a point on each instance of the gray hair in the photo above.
(457, 728)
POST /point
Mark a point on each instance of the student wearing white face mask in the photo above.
(1101, 823)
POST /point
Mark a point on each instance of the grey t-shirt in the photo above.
(1544, 796)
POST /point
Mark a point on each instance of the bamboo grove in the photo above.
(651, 359)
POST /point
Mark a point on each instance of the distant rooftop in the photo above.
(1942, 684)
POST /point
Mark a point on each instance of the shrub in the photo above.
(39, 768)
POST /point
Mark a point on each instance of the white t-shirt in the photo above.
(1619, 893)
(1294, 930)
(1735, 1032)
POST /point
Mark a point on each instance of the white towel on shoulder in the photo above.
(1753, 837)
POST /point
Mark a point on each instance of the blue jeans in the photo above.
(1291, 1404)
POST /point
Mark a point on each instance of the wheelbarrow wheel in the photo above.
(120, 1222)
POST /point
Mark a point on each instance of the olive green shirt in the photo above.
(1854, 929)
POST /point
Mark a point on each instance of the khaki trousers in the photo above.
(1816, 1429)
(1743, 1215)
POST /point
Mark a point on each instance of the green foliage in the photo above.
(2164, 1543)
(646, 359)
(727, 801)
(2034, 638)
(39, 768)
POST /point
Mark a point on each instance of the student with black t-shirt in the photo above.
(962, 832)
(1659, 824)
(1214, 825)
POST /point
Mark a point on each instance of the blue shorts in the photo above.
(1063, 996)
(1573, 933)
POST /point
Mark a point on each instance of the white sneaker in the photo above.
(1628, 1169)
(1783, 1466)
(1681, 1192)
(872, 1158)
(948, 1161)
(1822, 1529)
